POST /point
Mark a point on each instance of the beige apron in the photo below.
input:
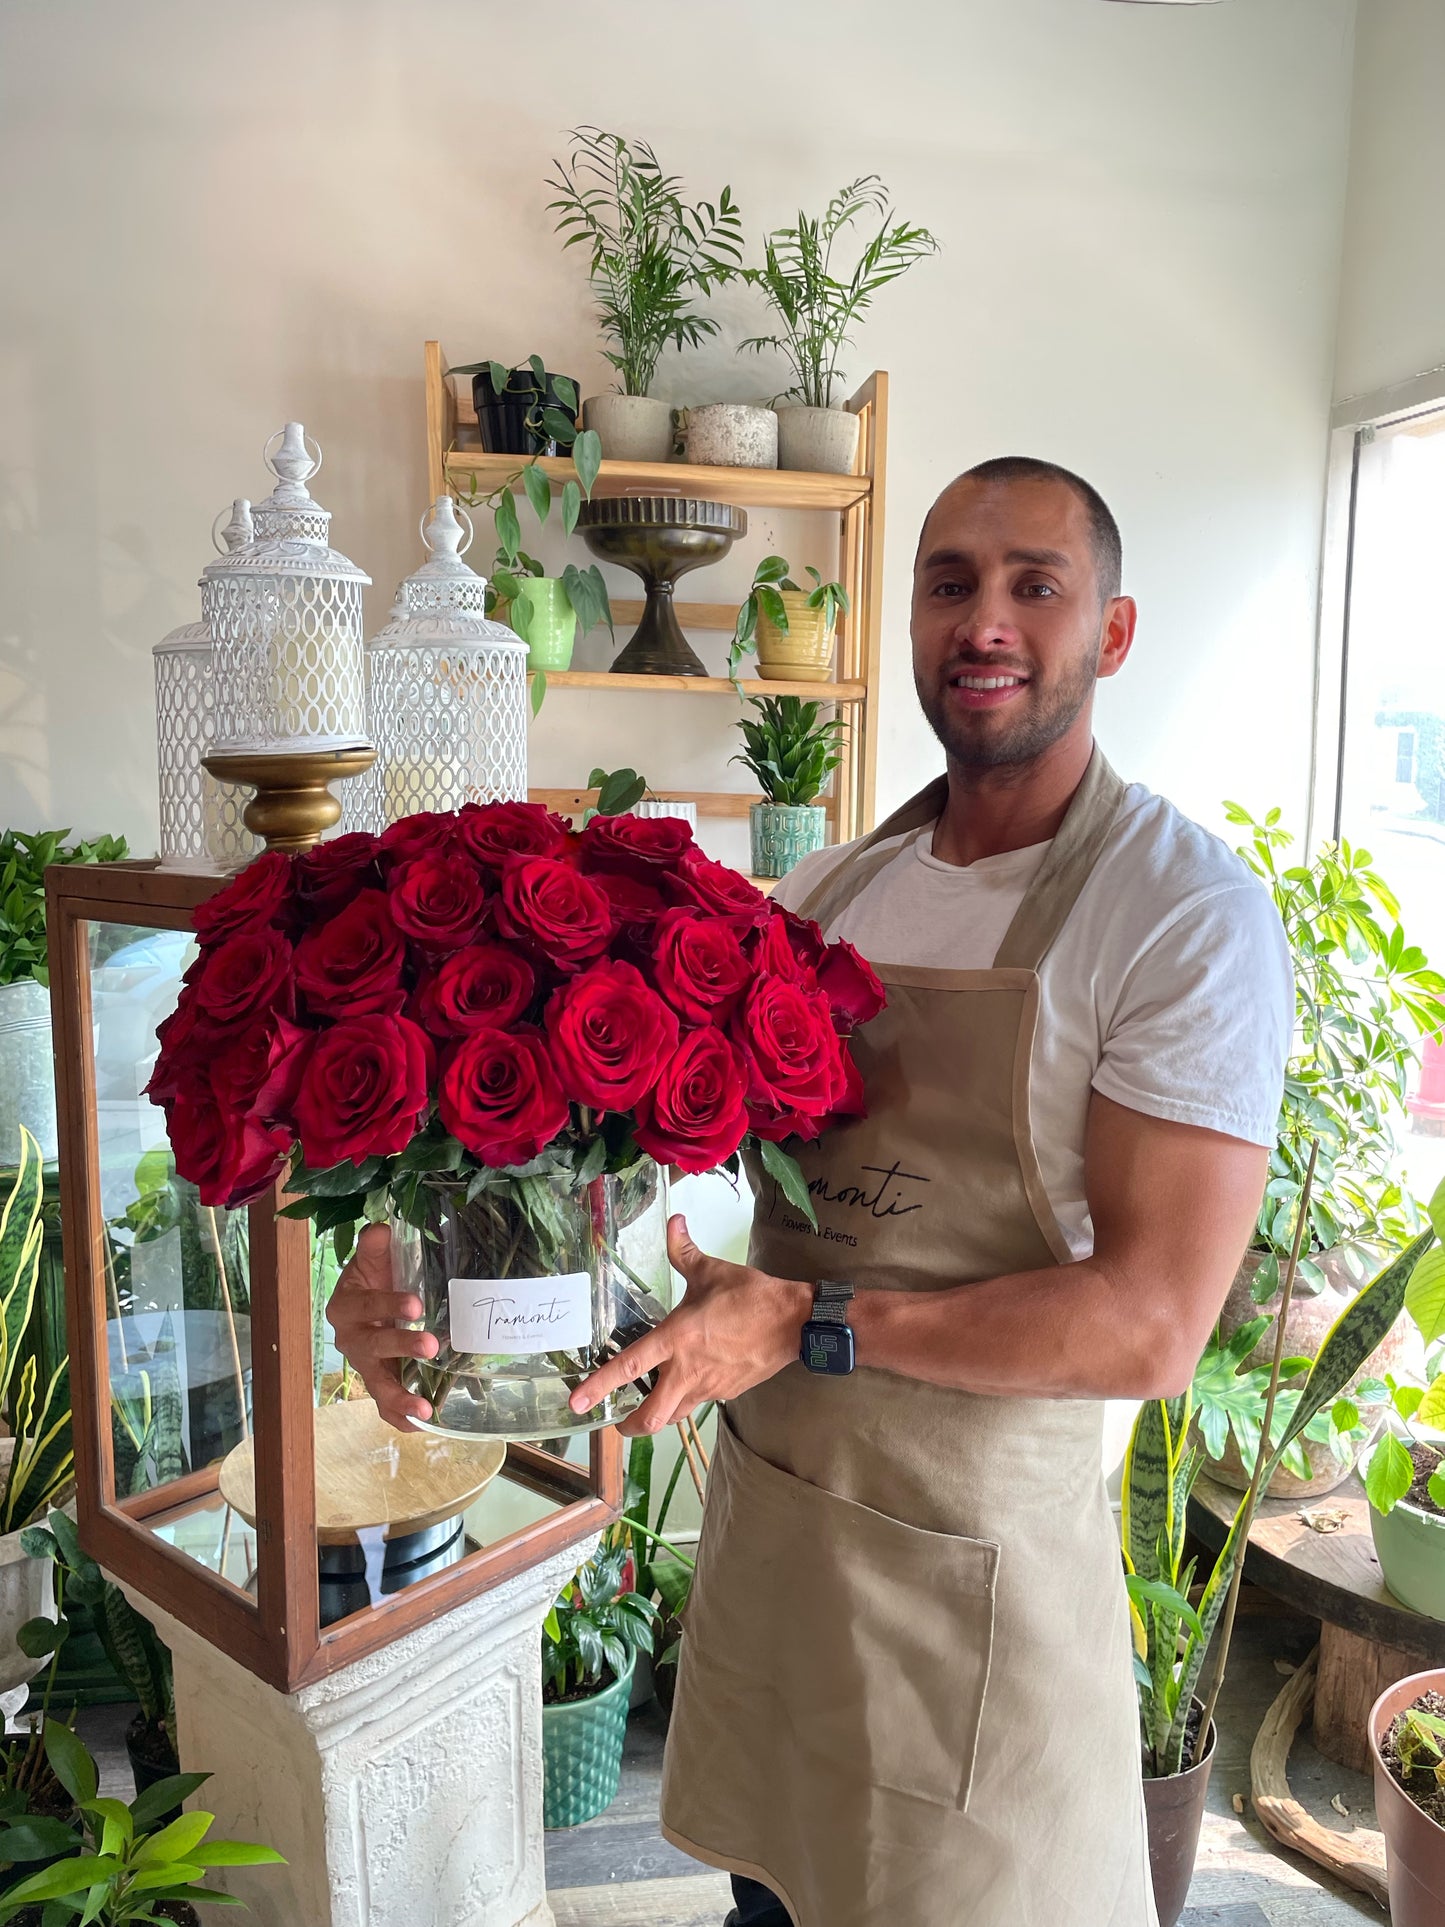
(906, 1696)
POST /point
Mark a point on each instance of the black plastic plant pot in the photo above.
(511, 423)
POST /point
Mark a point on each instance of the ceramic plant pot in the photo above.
(502, 420)
(731, 434)
(801, 653)
(27, 1069)
(1174, 1811)
(582, 1754)
(823, 441)
(659, 806)
(1410, 1545)
(27, 1591)
(1414, 1843)
(549, 622)
(783, 834)
(633, 428)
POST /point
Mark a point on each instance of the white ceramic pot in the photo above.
(27, 1068)
(822, 441)
(633, 428)
(27, 1591)
(657, 806)
(731, 434)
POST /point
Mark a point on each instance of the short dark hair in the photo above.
(1103, 529)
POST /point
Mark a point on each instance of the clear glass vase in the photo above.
(528, 1288)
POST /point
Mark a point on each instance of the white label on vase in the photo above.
(515, 1316)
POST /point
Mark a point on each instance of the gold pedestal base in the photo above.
(293, 804)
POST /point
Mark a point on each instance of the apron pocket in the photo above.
(862, 1640)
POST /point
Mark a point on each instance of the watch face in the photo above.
(827, 1348)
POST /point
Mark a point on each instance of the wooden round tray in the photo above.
(368, 1475)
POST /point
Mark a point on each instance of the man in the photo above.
(905, 1695)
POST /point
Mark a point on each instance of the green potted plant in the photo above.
(1407, 1752)
(817, 310)
(1364, 995)
(663, 1571)
(27, 1070)
(650, 253)
(791, 628)
(792, 752)
(524, 410)
(590, 1642)
(123, 1865)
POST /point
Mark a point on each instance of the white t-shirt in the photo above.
(1169, 989)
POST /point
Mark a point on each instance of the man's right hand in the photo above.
(363, 1313)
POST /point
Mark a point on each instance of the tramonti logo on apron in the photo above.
(882, 1191)
(518, 1316)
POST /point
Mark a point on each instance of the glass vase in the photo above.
(528, 1287)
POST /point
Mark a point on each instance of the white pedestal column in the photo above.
(404, 1790)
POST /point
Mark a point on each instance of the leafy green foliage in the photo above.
(617, 790)
(130, 1641)
(532, 384)
(25, 856)
(649, 251)
(595, 1627)
(1363, 998)
(1419, 1738)
(1229, 1402)
(42, 1463)
(816, 308)
(790, 751)
(1390, 1474)
(764, 599)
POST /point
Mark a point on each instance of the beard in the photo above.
(1032, 723)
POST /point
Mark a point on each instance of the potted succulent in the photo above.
(590, 1642)
(126, 1863)
(522, 411)
(1407, 1752)
(1364, 995)
(792, 753)
(817, 311)
(649, 253)
(27, 1068)
(791, 628)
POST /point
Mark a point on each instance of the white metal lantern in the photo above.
(200, 818)
(284, 614)
(446, 689)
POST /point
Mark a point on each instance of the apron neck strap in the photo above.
(1065, 870)
(851, 877)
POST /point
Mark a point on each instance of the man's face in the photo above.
(1010, 632)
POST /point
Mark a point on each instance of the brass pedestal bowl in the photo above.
(660, 537)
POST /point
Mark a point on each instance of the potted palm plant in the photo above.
(817, 310)
(792, 752)
(650, 253)
(590, 1642)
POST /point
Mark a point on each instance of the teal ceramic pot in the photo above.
(1410, 1545)
(582, 1754)
(550, 622)
(783, 834)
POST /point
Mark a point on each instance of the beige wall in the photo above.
(216, 217)
(1392, 300)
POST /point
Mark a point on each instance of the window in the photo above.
(1405, 756)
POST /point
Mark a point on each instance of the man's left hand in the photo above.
(735, 1328)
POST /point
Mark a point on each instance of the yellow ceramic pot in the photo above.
(804, 653)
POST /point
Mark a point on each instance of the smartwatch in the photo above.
(827, 1344)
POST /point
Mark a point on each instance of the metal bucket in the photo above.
(27, 1069)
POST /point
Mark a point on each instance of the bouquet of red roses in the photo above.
(486, 999)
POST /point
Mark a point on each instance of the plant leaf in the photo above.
(784, 1170)
(539, 491)
(1389, 1476)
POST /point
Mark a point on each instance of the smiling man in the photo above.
(905, 1696)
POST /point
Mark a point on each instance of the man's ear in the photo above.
(1120, 615)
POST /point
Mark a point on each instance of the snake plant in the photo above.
(38, 1414)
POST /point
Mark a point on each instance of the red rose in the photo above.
(242, 975)
(484, 987)
(697, 1115)
(610, 1035)
(500, 1097)
(795, 1062)
(699, 966)
(565, 917)
(363, 1090)
(851, 985)
(332, 873)
(805, 939)
(438, 900)
(229, 1158)
(426, 833)
(491, 832)
(186, 1043)
(351, 965)
(784, 948)
(637, 844)
(637, 903)
(713, 886)
(262, 894)
(260, 1072)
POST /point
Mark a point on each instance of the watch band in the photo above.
(831, 1299)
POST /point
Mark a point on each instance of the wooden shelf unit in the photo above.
(856, 501)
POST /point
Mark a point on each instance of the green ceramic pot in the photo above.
(1410, 1545)
(784, 833)
(550, 622)
(582, 1754)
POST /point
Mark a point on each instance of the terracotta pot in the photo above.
(1414, 1844)
(822, 441)
(1174, 1810)
(802, 653)
(633, 428)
